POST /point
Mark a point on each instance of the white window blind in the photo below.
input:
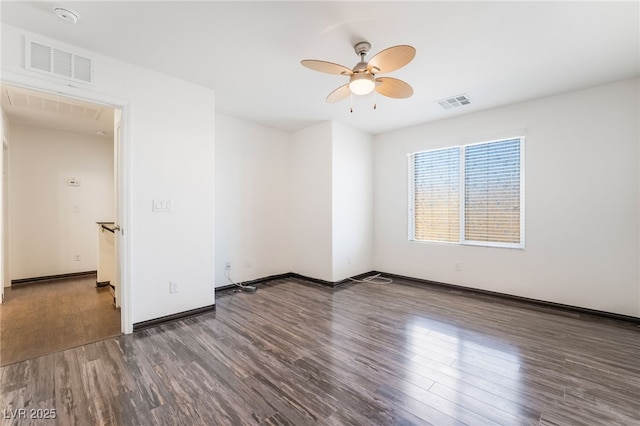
(437, 195)
(471, 194)
(492, 192)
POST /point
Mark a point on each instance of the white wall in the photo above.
(51, 222)
(311, 202)
(582, 201)
(168, 141)
(252, 187)
(352, 201)
(292, 202)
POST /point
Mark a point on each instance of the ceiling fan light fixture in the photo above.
(363, 78)
(361, 83)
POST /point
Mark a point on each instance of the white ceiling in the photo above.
(497, 53)
(51, 111)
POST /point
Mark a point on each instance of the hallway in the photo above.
(49, 316)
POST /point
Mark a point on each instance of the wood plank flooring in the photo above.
(296, 353)
(49, 316)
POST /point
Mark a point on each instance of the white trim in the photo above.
(411, 229)
(522, 183)
(124, 216)
(3, 230)
(124, 200)
(6, 230)
(492, 244)
(488, 138)
(461, 204)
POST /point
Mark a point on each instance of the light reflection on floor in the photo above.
(455, 371)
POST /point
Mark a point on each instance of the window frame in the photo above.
(462, 190)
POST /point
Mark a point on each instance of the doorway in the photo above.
(64, 177)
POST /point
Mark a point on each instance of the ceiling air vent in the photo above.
(59, 62)
(454, 102)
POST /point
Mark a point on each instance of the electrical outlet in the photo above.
(76, 257)
(173, 287)
(227, 266)
(247, 264)
(457, 266)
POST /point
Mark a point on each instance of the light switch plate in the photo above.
(162, 206)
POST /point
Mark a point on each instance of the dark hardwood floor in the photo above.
(44, 317)
(364, 354)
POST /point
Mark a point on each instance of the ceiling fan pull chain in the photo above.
(375, 105)
(351, 109)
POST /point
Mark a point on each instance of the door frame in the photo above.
(4, 218)
(123, 203)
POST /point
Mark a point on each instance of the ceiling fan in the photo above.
(362, 78)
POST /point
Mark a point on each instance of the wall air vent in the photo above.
(454, 101)
(45, 58)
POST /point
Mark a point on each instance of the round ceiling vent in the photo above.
(66, 15)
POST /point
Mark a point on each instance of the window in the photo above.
(470, 194)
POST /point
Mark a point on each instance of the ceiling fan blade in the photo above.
(391, 59)
(339, 94)
(328, 67)
(393, 88)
